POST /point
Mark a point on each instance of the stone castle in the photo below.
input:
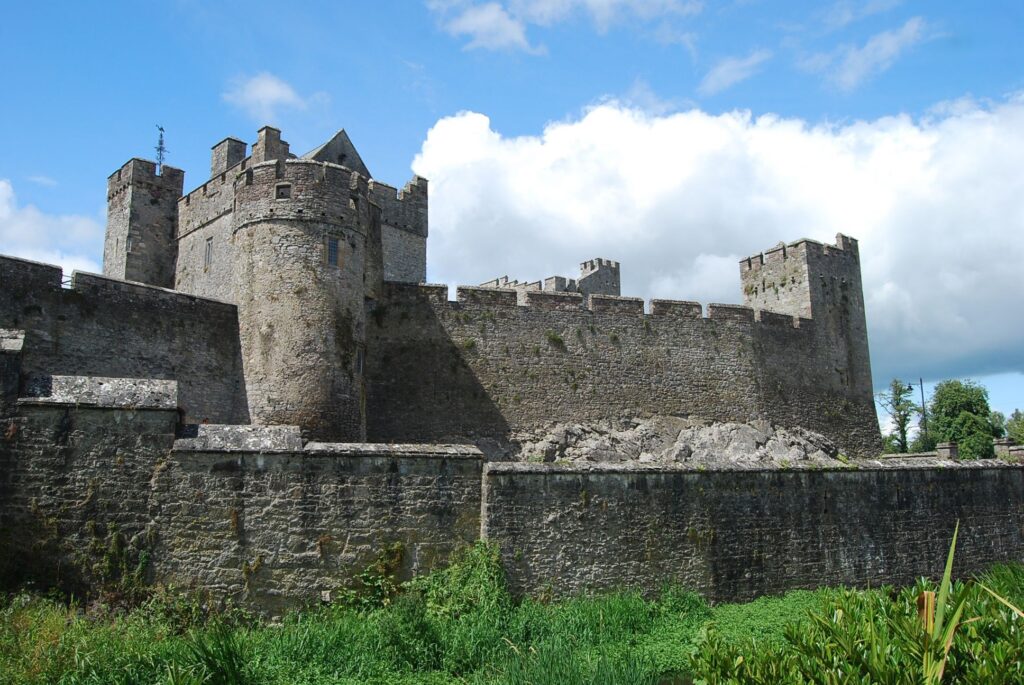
(261, 391)
(338, 335)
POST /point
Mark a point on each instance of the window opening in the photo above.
(332, 251)
(208, 257)
(284, 191)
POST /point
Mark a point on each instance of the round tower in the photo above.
(300, 232)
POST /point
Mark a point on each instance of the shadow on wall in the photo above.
(420, 387)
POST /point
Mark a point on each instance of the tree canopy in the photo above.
(959, 412)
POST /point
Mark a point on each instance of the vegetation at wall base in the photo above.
(461, 625)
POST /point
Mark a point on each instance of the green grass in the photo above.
(461, 625)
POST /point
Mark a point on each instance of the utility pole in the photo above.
(924, 409)
(161, 151)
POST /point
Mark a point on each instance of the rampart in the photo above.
(110, 328)
(105, 483)
(483, 366)
(734, 535)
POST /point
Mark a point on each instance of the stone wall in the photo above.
(95, 482)
(205, 216)
(280, 527)
(108, 328)
(483, 366)
(90, 490)
(734, 535)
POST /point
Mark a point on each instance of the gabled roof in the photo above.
(339, 150)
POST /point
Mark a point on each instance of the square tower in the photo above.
(142, 219)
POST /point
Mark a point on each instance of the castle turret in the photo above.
(301, 242)
(820, 282)
(142, 216)
(599, 277)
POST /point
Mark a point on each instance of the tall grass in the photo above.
(461, 625)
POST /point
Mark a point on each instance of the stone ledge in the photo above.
(97, 391)
(238, 438)
(11, 341)
(370, 449)
(858, 465)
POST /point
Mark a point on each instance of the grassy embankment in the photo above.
(460, 625)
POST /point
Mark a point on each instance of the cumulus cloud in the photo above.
(503, 25)
(937, 203)
(263, 95)
(70, 241)
(731, 70)
(850, 66)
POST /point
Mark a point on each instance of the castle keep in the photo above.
(261, 391)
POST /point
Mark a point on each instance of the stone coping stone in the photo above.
(238, 438)
(855, 465)
(11, 340)
(97, 391)
(380, 449)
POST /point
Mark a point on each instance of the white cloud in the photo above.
(68, 240)
(850, 66)
(938, 205)
(41, 180)
(490, 27)
(845, 12)
(262, 95)
(731, 70)
(503, 25)
(666, 34)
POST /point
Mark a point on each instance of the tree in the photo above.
(1015, 427)
(998, 420)
(897, 404)
(959, 413)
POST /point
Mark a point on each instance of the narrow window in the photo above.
(284, 191)
(360, 359)
(332, 251)
(128, 243)
(208, 257)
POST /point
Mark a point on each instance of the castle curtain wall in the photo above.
(483, 366)
(249, 513)
(104, 327)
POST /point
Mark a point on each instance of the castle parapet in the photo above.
(731, 312)
(299, 190)
(554, 302)
(493, 297)
(677, 309)
(616, 305)
(142, 173)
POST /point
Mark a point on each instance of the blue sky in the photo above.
(674, 135)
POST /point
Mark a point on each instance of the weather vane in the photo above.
(161, 151)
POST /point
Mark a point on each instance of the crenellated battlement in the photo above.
(404, 209)
(142, 172)
(299, 190)
(845, 247)
(630, 308)
(592, 265)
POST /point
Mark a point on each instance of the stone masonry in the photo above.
(261, 393)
